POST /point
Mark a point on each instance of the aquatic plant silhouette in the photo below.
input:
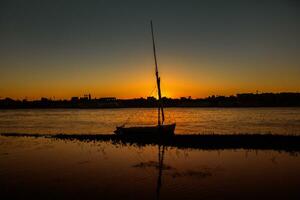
(288, 143)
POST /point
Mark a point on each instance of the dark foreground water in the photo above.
(41, 168)
(52, 168)
(189, 120)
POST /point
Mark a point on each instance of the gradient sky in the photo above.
(70, 48)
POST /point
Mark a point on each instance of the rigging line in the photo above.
(135, 113)
(154, 89)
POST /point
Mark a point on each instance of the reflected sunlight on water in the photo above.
(189, 120)
(49, 169)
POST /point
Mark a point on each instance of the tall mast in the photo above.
(160, 106)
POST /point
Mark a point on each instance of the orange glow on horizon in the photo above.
(138, 80)
(170, 89)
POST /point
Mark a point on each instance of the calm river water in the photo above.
(45, 168)
(41, 168)
(189, 120)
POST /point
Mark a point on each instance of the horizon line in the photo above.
(86, 96)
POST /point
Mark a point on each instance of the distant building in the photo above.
(8, 99)
(44, 99)
(74, 99)
(85, 98)
(151, 98)
(108, 99)
(185, 98)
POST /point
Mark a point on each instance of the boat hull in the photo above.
(159, 130)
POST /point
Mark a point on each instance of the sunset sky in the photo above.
(70, 48)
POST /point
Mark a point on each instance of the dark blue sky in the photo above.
(65, 48)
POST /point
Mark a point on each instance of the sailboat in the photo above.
(161, 129)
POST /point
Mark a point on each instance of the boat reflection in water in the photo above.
(161, 152)
(76, 167)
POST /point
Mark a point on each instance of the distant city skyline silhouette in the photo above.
(87, 101)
